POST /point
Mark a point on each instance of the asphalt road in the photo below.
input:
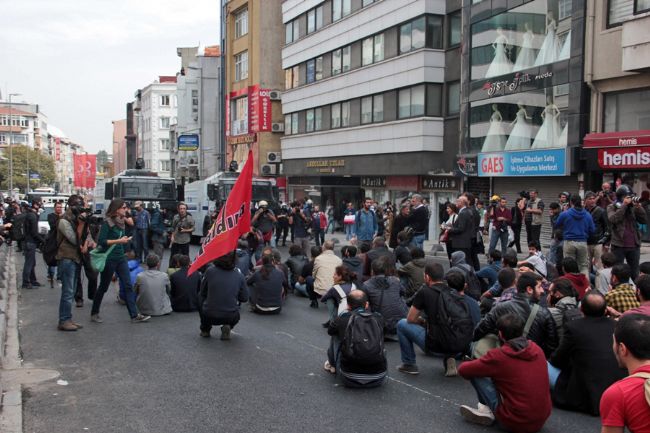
(161, 376)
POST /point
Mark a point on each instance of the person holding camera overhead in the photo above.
(501, 219)
(263, 220)
(182, 227)
(625, 216)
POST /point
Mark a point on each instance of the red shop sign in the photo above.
(617, 139)
(625, 157)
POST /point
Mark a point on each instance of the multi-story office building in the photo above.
(371, 99)
(119, 145)
(156, 107)
(253, 78)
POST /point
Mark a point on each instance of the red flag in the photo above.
(233, 221)
(85, 169)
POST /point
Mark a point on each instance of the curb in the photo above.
(11, 405)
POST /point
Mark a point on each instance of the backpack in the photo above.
(452, 328)
(363, 340)
(343, 304)
(646, 384)
(474, 288)
(571, 314)
(51, 247)
(19, 227)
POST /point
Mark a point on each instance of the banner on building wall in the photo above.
(259, 109)
(552, 162)
(85, 169)
(57, 149)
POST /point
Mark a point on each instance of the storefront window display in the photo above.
(522, 121)
(535, 34)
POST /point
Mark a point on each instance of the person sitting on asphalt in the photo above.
(459, 263)
(152, 288)
(364, 247)
(135, 269)
(379, 249)
(487, 275)
(184, 294)
(573, 274)
(625, 403)
(542, 329)
(295, 263)
(223, 287)
(622, 295)
(562, 303)
(421, 326)
(511, 381)
(412, 274)
(324, 267)
(456, 281)
(644, 268)
(243, 258)
(643, 293)
(306, 279)
(359, 365)
(353, 263)
(509, 260)
(343, 285)
(402, 251)
(173, 264)
(385, 294)
(267, 288)
(583, 366)
(507, 279)
(604, 275)
(536, 259)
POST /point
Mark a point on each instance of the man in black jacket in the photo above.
(184, 295)
(529, 291)
(477, 247)
(418, 220)
(463, 230)
(601, 235)
(32, 240)
(584, 361)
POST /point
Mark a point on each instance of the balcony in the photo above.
(635, 44)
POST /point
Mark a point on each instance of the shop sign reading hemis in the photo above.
(188, 142)
(624, 157)
(617, 139)
(551, 162)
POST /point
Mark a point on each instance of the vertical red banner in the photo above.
(85, 169)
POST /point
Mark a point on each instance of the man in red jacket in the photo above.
(511, 381)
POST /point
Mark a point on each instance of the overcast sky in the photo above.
(82, 61)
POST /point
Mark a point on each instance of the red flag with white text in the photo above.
(233, 221)
(85, 169)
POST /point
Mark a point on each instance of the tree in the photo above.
(102, 159)
(24, 158)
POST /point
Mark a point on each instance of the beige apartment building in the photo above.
(254, 35)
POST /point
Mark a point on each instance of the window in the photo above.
(319, 68)
(367, 3)
(24, 122)
(619, 10)
(164, 144)
(318, 119)
(288, 79)
(319, 17)
(3, 139)
(378, 108)
(294, 123)
(291, 124)
(239, 116)
(288, 32)
(287, 124)
(411, 102)
(379, 48)
(314, 19)
(405, 38)
(641, 6)
(165, 165)
(309, 120)
(345, 114)
(296, 76)
(311, 71)
(296, 30)
(164, 100)
(366, 51)
(346, 58)
(434, 100)
(453, 98)
(195, 101)
(336, 116)
(241, 23)
(366, 110)
(241, 66)
(627, 111)
(564, 9)
(340, 9)
(454, 29)
(164, 123)
(336, 62)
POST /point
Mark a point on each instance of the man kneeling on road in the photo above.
(357, 345)
(447, 328)
(511, 381)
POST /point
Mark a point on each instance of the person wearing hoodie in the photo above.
(412, 274)
(385, 294)
(295, 263)
(562, 304)
(243, 258)
(578, 226)
(353, 263)
(459, 264)
(511, 381)
(134, 270)
(579, 281)
(400, 222)
(402, 252)
(185, 288)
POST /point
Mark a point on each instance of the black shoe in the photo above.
(29, 286)
(313, 303)
(36, 284)
(326, 324)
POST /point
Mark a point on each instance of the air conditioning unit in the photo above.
(268, 169)
(273, 157)
(275, 95)
(277, 127)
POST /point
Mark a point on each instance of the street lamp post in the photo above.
(11, 151)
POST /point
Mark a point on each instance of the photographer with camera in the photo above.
(625, 216)
(263, 220)
(501, 219)
(182, 228)
(599, 237)
(299, 221)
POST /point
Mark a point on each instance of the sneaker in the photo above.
(225, 332)
(480, 415)
(205, 334)
(68, 325)
(328, 367)
(326, 324)
(79, 326)
(95, 318)
(451, 370)
(79, 304)
(140, 318)
(409, 369)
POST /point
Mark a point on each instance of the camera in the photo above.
(524, 194)
(636, 200)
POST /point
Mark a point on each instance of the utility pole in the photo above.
(11, 148)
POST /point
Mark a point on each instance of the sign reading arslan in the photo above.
(326, 163)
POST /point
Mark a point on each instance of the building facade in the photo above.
(119, 145)
(197, 138)
(371, 100)
(253, 76)
(155, 108)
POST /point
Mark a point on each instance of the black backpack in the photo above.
(452, 328)
(19, 227)
(51, 247)
(474, 287)
(363, 341)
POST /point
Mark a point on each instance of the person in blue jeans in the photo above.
(416, 329)
(111, 234)
(141, 232)
(365, 222)
(349, 226)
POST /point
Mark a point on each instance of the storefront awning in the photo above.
(617, 139)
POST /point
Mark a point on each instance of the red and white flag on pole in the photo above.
(85, 169)
(233, 221)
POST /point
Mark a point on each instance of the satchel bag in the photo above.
(491, 341)
(646, 384)
(98, 258)
(444, 237)
(348, 219)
